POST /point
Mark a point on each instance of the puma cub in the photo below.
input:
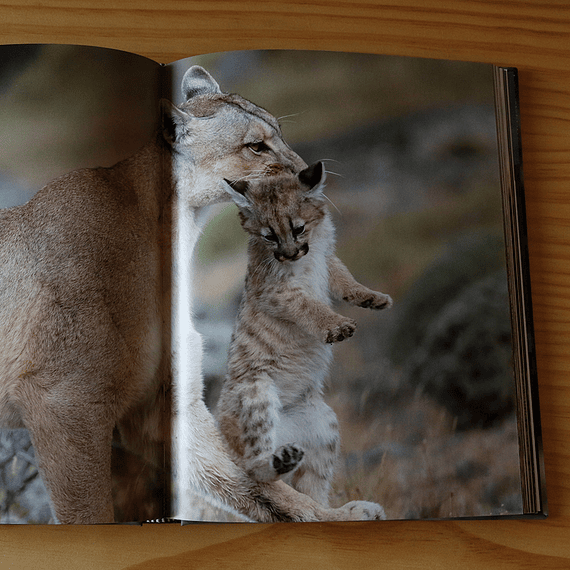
(86, 320)
(271, 409)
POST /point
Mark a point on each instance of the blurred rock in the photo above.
(23, 497)
(464, 359)
(464, 261)
(13, 193)
(403, 163)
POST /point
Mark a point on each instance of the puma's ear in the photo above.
(173, 121)
(314, 177)
(237, 191)
(197, 81)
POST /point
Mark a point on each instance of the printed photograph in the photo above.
(423, 391)
(348, 286)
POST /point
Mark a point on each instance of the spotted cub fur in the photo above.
(271, 409)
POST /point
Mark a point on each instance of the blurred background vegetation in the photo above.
(424, 392)
(65, 107)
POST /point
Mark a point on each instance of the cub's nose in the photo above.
(292, 256)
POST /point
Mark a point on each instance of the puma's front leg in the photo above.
(344, 286)
(73, 447)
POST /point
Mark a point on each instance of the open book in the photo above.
(120, 289)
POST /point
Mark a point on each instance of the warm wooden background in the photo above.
(533, 35)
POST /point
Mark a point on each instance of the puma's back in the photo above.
(72, 262)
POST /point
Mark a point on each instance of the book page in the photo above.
(424, 391)
(62, 108)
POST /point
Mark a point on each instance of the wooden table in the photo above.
(531, 35)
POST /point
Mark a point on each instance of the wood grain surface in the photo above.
(532, 35)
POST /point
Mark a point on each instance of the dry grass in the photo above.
(411, 460)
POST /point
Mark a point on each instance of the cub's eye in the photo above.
(257, 147)
(270, 236)
(299, 230)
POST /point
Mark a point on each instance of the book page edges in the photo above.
(524, 356)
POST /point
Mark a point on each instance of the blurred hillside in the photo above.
(66, 107)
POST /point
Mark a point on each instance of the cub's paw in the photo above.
(363, 511)
(342, 330)
(373, 300)
(377, 302)
(286, 458)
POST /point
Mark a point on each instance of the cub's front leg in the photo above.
(339, 329)
(344, 286)
(315, 317)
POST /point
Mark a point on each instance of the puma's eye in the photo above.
(257, 147)
(299, 230)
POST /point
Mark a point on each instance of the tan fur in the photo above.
(271, 409)
(85, 311)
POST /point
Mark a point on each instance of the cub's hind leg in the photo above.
(213, 473)
(249, 417)
(314, 426)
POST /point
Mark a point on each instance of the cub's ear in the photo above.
(173, 121)
(236, 191)
(197, 81)
(314, 177)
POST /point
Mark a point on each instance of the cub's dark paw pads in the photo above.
(378, 302)
(340, 332)
(286, 458)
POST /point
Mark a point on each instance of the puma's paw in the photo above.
(376, 301)
(344, 329)
(286, 458)
(363, 511)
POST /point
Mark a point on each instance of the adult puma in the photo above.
(85, 312)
